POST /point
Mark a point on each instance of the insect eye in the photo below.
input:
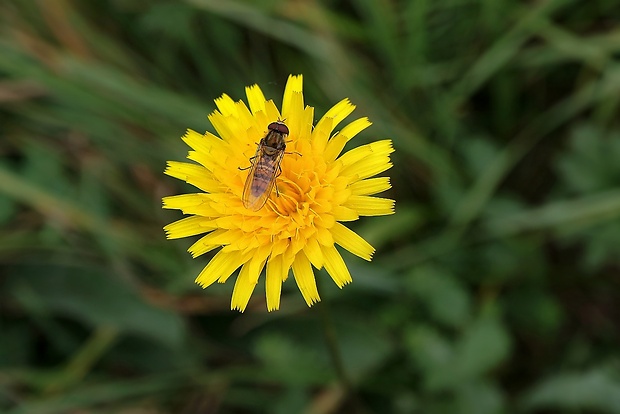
(278, 126)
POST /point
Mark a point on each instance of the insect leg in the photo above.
(251, 164)
(276, 184)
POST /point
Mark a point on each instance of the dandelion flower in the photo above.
(300, 224)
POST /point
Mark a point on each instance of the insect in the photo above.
(265, 166)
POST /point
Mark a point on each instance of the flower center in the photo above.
(290, 198)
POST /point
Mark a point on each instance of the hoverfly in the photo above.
(265, 166)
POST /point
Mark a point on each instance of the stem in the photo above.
(91, 352)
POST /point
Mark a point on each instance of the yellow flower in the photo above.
(300, 224)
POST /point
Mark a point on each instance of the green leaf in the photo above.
(480, 397)
(429, 349)
(479, 153)
(443, 295)
(481, 348)
(292, 362)
(597, 389)
(361, 352)
(7, 209)
(96, 299)
(535, 312)
(592, 161)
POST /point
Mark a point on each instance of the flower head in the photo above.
(315, 189)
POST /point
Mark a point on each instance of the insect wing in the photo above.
(261, 179)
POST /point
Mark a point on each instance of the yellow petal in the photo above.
(321, 134)
(198, 204)
(356, 127)
(294, 86)
(189, 226)
(247, 279)
(259, 257)
(201, 142)
(279, 247)
(306, 124)
(222, 125)
(294, 116)
(247, 126)
(378, 149)
(370, 206)
(370, 186)
(324, 236)
(210, 242)
(312, 250)
(272, 112)
(369, 166)
(337, 142)
(220, 267)
(287, 262)
(336, 267)
(302, 271)
(342, 213)
(211, 162)
(185, 200)
(196, 175)
(226, 105)
(234, 132)
(273, 283)
(243, 289)
(334, 146)
(340, 111)
(256, 99)
(352, 241)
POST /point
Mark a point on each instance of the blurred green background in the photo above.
(495, 286)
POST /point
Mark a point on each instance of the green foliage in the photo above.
(494, 288)
(590, 166)
(94, 299)
(597, 389)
